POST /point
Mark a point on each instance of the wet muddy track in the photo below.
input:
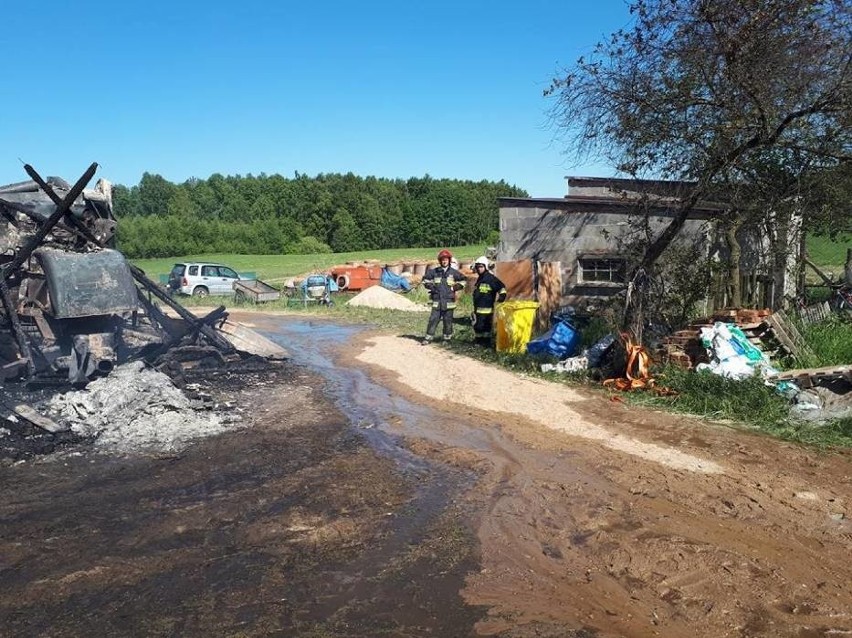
(350, 509)
(314, 521)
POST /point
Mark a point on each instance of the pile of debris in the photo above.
(73, 307)
(74, 312)
(773, 333)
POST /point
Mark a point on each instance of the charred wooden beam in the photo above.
(78, 225)
(139, 275)
(212, 317)
(62, 206)
(17, 331)
(217, 340)
(20, 208)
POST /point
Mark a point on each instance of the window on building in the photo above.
(602, 270)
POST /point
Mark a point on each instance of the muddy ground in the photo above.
(365, 499)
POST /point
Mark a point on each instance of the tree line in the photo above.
(271, 214)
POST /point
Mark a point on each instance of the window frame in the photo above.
(615, 266)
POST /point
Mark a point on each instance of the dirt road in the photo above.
(636, 523)
(384, 488)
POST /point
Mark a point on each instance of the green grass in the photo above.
(748, 403)
(829, 254)
(276, 268)
(830, 340)
(715, 397)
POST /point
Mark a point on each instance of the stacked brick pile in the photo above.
(683, 348)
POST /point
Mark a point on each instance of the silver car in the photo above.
(202, 279)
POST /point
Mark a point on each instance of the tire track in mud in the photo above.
(576, 536)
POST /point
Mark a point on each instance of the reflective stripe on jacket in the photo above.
(442, 284)
(486, 291)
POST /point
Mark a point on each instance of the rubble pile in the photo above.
(74, 307)
(768, 331)
(74, 311)
(137, 410)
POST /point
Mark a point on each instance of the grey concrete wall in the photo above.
(560, 232)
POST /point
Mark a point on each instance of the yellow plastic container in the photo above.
(513, 323)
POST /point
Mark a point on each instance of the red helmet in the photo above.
(445, 253)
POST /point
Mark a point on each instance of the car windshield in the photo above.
(178, 270)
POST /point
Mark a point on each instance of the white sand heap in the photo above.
(379, 297)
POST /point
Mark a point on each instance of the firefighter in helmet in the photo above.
(487, 290)
(443, 282)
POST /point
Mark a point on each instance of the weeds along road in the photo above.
(384, 488)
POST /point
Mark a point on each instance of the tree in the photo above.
(716, 92)
(154, 194)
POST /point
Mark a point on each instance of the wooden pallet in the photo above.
(788, 335)
(815, 313)
(809, 377)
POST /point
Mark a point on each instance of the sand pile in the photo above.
(378, 297)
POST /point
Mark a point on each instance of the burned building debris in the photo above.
(73, 308)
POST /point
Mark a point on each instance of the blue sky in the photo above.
(392, 89)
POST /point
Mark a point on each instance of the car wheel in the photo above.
(240, 297)
(200, 291)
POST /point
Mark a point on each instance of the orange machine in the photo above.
(356, 278)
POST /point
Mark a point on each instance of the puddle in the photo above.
(378, 412)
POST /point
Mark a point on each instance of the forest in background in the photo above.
(272, 214)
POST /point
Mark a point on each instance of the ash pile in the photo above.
(74, 311)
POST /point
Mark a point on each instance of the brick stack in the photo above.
(683, 348)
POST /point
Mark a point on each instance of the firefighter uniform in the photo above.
(487, 290)
(442, 284)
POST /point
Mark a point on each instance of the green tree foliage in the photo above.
(273, 214)
(719, 92)
(747, 99)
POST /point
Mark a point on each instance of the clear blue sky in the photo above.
(392, 89)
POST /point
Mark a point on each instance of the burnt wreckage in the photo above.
(73, 307)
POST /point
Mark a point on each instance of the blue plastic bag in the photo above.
(560, 341)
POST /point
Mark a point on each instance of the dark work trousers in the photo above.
(482, 324)
(437, 315)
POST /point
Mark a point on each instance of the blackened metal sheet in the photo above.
(87, 284)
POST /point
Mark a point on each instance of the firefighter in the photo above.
(486, 291)
(443, 282)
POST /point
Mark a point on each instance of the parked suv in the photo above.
(200, 280)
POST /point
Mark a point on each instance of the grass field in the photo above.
(827, 253)
(276, 268)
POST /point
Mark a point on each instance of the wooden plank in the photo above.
(816, 373)
(28, 413)
(549, 292)
(815, 313)
(787, 334)
(518, 278)
(781, 336)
